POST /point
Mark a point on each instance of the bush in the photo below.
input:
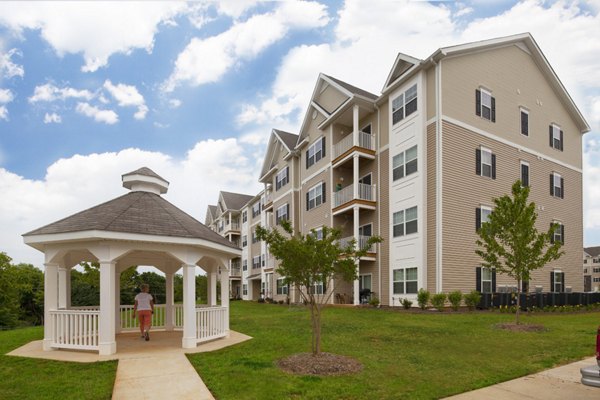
(438, 300)
(455, 298)
(423, 298)
(472, 299)
(407, 304)
(374, 302)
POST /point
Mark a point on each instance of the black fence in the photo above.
(538, 300)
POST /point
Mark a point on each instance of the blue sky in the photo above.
(91, 90)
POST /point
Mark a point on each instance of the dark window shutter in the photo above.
(562, 234)
(306, 159)
(552, 236)
(564, 285)
(287, 174)
(477, 219)
(478, 102)
(550, 136)
(562, 188)
(552, 281)
(323, 191)
(525, 174)
(494, 280)
(551, 185)
(478, 161)
(561, 140)
(493, 109)
(306, 201)
(493, 166)
(478, 279)
(323, 146)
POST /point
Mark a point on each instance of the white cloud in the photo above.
(195, 180)
(127, 96)
(50, 93)
(8, 68)
(6, 96)
(3, 113)
(235, 8)
(106, 116)
(174, 103)
(53, 118)
(206, 60)
(95, 29)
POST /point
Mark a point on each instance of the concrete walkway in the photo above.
(559, 383)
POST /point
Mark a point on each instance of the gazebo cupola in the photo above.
(145, 180)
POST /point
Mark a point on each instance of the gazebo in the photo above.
(138, 228)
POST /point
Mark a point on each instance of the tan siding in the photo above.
(459, 258)
(515, 80)
(314, 133)
(330, 99)
(431, 110)
(431, 208)
(382, 132)
(318, 216)
(384, 207)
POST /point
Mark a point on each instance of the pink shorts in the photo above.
(145, 318)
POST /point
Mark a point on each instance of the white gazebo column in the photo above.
(189, 307)
(169, 302)
(356, 246)
(50, 300)
(62, 287)
(106, 326)
(117, 301)
(225, 295)
(212, 288)
(68, 286)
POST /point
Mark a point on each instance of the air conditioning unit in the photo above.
(538, 289)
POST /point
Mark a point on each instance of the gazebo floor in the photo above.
(130, 345)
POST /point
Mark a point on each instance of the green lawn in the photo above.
(28, 378)
(404, 355)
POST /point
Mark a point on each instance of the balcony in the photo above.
(365, 144)
(362, 242)
(234, 226)
(268, 201)
(366, 196)
(236, 269)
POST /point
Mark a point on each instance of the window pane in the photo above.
(486, 287)
(411, 287)
(486, 99)
(398, 217)
(411, 93)
(398, 160)
(398, 172)
(411, 213)
(398, 116)
(411, 167)
(411, 227)
(398, 230)
(398, 288)
(411, 274)
(398, 275)
(486, 112)
(485, 213)
(411, 153)
(486, 157)
(486, 274)
(411, 107)
(486, 170)
(398, 102)
(366, 282)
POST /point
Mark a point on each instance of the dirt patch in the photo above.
(324, 364)
(521, 327)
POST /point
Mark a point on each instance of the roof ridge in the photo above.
(126, 209)
(161, 205)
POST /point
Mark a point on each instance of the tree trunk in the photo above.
(517, 314)
(313, 323)
(318, 330)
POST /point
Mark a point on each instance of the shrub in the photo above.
(438, 300)
(455, 298)
(280, 301)
(472, 299)
(423, 298)
(407, 304)
(374, 302)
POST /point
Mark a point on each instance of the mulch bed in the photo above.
(324, 364)
(521, 327)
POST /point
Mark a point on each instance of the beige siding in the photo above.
(459, 205)
(431, 208)
(320, 215)
(384, 129)
(431, 108)
(514, 80)
(314, 133)
(330, 98)
(384, 207)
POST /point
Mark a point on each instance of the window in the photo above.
(485, 280)
(481, 215)
(366, 180)
(556, 137)
(559, 233)
(524, 122)
(485, 162)
(256, 210)
(404, 105)
(318, 233)
(282, 288)
(255, 262)
(596, 279)
(524, 173)
(282, 178)
(244, 241)
(405, 163)
(405, 222)
(485, 105)
(364, 282)
(557, 185)
(244, 216)
(282, 214)
(319, 287)
(254, 237)
(315, 152)
(245, 265)
(405, 281)
(245, 289)
(365, 230)
(596, 270)
(315, 196)
(557, 281)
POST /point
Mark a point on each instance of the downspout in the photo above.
(378, 193)
(438, 167)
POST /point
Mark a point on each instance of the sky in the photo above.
(91, 90)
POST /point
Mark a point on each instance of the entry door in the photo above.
(587, 283)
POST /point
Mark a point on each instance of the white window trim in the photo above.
(557, 271)
(314, 190)
(278, 215)
(364, 176)
(284, 288)
(404, 162)
(558, 231)
(556, 177)
(404, 281)
(486, 150)
(361, 283)
(368, 224)
(481, 209)
(489, 93)
(525, 111)
(312, 146)
(491, 280)
(403, 105)
(280, 177)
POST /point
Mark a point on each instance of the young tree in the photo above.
(306, 261)
(510, 243)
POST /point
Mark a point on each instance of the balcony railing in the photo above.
(362, 242)
(233, 226)
(365, 141)
(345, 195)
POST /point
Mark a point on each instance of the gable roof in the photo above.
(353, 89)
(135, 212)
(234, 201)
(286, 139)
(211, 214)
(592, 251)
(402, 64)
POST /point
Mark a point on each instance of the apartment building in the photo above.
(420, 164)
(591, 269)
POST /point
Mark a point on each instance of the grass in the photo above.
(28, 378)
(415, 356)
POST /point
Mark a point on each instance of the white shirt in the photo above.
(143, 301)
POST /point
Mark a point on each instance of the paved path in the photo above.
(561, 383)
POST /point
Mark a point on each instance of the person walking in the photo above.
(144, 305)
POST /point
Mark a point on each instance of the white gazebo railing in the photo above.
(128, 321)
(74, 329)
(210, 323)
